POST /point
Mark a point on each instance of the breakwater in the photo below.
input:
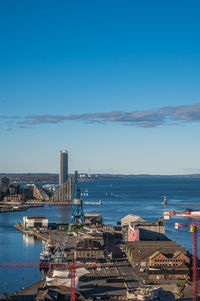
(6, 207)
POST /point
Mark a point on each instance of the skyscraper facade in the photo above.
(63, 176)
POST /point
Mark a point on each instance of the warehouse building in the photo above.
(31, 222)
(143, 230)
(89, 251)
(162, 259)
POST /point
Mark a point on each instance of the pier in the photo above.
(31, 232)
(34, 204)
(93, 203)
(13, 207)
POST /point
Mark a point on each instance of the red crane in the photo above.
(193, 228)
(73, 267)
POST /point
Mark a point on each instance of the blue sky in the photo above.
(116, 83)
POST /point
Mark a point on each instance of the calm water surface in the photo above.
(137, 195)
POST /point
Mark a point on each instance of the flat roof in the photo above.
(34, 217)
(92, 214)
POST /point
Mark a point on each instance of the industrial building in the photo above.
(162, 259)
(126, 220)
(91, 234)
(147, 230)
(63, 176)
(135, 228)
(31, 222)
(88, 250)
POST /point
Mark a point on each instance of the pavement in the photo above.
(114, 279)
(28, 293)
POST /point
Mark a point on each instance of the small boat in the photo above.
(189, 213)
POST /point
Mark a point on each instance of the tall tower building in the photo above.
(63, 167)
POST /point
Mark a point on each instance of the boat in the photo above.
(189, 213)
(45, 259)
(53, 256)
(46, 255)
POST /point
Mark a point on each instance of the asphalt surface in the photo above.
(113, 279)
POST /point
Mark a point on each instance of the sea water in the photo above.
(140, 195)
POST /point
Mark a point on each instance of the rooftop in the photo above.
(142, 250)
(35, 217)
(131, 218)
(91, 215)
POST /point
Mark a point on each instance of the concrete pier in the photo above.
(31, 232)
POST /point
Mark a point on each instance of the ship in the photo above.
(46, 255)
(52, 256)
(189, 213)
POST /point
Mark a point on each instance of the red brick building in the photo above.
(161, 259)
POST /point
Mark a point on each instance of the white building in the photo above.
(31, 222)
(126, 220)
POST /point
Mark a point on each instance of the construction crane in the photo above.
(73, 267)
(77, 207)
(193, 228)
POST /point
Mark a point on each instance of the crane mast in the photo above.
(77, 216)
(193, 229)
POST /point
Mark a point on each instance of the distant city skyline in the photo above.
(114, 82)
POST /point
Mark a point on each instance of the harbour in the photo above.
(128, 197)
(13, 207)
(31, 232)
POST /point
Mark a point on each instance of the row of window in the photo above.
(170, 260)
(162, 265)
(89, 254)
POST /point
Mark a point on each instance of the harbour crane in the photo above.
(193, 229)
(77, 207)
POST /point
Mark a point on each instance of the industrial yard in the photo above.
(115, 267)
(85, 259)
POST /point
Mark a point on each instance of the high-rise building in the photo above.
(63, 167)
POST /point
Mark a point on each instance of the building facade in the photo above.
(161, 259)
(31, 222)
(64, 192)
(4, 186)
(88, 250)
(63, 176)
(138, 231)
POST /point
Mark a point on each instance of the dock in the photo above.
(15, 207)
(27, 293)
(31, 232)
(93, 203)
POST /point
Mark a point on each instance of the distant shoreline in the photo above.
(28, 174)
(54, 178)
